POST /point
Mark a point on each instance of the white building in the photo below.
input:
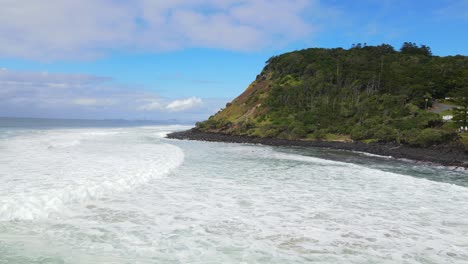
(447, 117)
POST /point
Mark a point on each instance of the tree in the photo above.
(413, 49)
(461, 112)
(385, 49)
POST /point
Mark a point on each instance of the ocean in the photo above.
(120, 192)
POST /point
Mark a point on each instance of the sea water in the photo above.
(120, 192)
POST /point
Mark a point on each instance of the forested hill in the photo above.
(367, 93)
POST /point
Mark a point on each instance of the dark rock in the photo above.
(447, 155)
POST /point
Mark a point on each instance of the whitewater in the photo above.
(126, 194)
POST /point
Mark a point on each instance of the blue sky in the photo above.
(184, 59)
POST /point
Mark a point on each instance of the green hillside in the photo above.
(366, 93)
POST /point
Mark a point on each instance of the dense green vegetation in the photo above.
(367, 93)
(460, 114)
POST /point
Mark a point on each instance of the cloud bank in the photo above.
(42, 94)
(69, 29)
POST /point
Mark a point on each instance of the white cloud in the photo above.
(64, 29)
(151, 106)
(184, 104)
(85, 101)
(94, 102)
(178, 105)
(35, 94)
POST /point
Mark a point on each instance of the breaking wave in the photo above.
(55, 169)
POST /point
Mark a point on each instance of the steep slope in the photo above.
(368, 93)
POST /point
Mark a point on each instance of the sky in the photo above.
(185, 59)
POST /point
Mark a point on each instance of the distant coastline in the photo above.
(446, 155)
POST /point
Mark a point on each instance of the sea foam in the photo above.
(227, 203)
(45, 172)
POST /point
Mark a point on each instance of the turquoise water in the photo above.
(113, 192)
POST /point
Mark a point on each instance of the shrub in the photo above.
(297, 130)
(201, 125)
(268, 131)
(360, 133)
(372, 122)
(384, 133)
(464, 141)
(428, 137)
(245, 126)
(426, 119)
(208, 124)
(319, 134)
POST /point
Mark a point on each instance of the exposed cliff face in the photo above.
(365, 93)
(246, 107)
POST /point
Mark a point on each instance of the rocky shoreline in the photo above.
(447, 155)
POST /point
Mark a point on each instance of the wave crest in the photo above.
(40, 180)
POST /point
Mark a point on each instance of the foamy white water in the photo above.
(127, 195)
(46, 171)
